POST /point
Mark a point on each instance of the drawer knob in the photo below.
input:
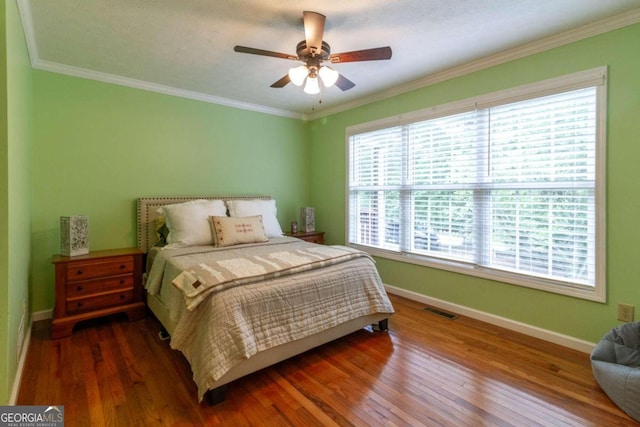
(79, 304)
(122, 266)
(79, 272)
(122, 281)
(80, 288)
(122, 296)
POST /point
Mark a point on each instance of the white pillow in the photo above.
(188, 222)
(266, 208)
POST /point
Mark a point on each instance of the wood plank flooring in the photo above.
(426, 370)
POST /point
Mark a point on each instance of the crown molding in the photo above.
(564, 38)
(36, 63)
(24, 9)
(570, 36)
(154, 87)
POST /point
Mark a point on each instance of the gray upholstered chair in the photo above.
(616, 366)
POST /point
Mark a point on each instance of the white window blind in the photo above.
(508, 190)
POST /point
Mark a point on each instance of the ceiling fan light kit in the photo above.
(312, 87)
(298, 74)
(329, 76)
(312, 52)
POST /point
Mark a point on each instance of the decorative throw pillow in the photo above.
(266, 208)
(228, 231)
(188, 222)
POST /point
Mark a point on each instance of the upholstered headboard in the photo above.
(147, 207)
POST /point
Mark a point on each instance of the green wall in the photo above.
(15, 187)
(620, 50)
(98, 146)
(75, 146)
(5, 370)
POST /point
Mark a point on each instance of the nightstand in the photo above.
(97, 284)
(309, 236)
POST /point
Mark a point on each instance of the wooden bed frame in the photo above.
(147, 207)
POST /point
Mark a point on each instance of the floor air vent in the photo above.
(441, 313)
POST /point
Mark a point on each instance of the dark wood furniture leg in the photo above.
(217, 395)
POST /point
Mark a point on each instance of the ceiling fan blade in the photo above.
(362, 55)
(344, 83)
(254, 51)
(313, 31)
(282, 82)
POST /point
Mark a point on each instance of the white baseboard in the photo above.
(42, 315)
(23, 358)
(35, 317)
(544, 334)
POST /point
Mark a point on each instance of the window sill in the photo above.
(562, 288)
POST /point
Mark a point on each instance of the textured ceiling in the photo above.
(185, 47)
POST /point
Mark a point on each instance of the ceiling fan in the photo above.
(313, 52)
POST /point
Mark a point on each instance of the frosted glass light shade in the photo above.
(329, 76)
(298, 74)
(312, 87)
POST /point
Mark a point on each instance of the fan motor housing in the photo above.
(305, 53)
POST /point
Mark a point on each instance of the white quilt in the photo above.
(243, 320)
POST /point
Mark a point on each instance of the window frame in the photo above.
(595, 77)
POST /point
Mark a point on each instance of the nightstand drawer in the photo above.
(90, 287)
(97, 284)
(78, 305)
(84, 270)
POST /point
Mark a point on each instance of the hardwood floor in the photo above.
(427, 370)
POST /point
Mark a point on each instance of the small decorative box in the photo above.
(74, 235)
(307, 219)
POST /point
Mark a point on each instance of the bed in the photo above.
(253, 319)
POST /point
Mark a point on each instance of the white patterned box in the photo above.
(74, 235)
(307, 219)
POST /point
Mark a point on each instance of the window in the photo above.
(509, 186)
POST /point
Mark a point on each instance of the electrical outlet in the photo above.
(625, 313)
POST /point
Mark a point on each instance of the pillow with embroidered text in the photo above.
(230, 231)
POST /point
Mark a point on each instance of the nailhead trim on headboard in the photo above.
(147, 214)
